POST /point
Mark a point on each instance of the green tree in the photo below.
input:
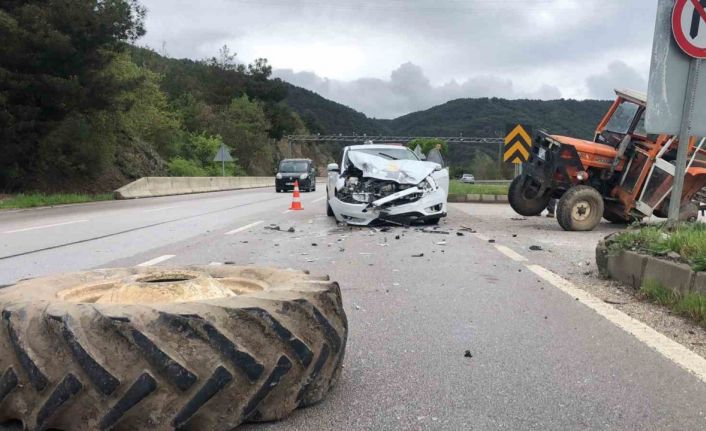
(144, 111)
(52, 56)
(244, 126)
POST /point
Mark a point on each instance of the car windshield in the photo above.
(400, 153)
(293, 166)
(623, 118)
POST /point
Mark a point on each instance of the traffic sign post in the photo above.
(518, 143)
(676, 101)
(223, 156)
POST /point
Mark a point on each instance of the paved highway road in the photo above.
(542, 354)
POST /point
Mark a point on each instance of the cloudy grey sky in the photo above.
(390, 57)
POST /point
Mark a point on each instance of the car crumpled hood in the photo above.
(401, 171)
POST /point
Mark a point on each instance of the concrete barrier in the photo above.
(166, 186)
(634, 269)
(478, 198)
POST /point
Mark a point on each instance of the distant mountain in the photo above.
(321, 115)
(470, 117)
(489, 117)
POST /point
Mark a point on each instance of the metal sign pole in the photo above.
(223, 167)
(684, 137)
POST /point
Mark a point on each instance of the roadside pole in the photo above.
(684, 138)
(676, 97)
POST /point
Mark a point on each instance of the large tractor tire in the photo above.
(200, 348)
(688, 212)
(521, 204)
(580, 209)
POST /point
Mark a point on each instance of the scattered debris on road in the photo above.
(468, 354)
(536, 248)
(492, 241)
(459, 234)
(418, 255)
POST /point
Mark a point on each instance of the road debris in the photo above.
(418, 255)
(467, 229)
(536, 248)
(441, 243)
(492, 241)
(459, 234)
(468, 354)
(440, 232)
(313, 244)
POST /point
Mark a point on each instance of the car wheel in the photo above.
(117, 349)
(329, 210)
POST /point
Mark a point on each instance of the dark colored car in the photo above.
(290, 170)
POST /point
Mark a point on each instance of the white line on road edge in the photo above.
(45, 226)
(674, 351)
(512, 254)
(161, 209)
(246, 227)
(157, 260)
(319, 199)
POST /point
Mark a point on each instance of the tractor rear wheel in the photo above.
(580, 209)
(688, 212)
(197, 348)
(522, 205)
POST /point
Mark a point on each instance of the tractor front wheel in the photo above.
(523, 205)
(580, 209)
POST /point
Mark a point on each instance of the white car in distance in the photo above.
(387, 183)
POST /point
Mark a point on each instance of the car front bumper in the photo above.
(431, 206)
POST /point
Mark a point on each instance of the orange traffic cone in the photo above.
(296, 200)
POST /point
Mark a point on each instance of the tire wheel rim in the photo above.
(581, 211)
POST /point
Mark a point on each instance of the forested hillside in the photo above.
(82, 109)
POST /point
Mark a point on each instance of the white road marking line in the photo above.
(243, 228)
(319, 199)
(481, 237)
(285, 212)
(672, 350)
(215, 264)
(512, 254)
(157, 260)
(161, 209)
(45, 226)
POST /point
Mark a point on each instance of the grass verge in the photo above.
(458, 188)
(31, 200)
(688, 240)
(692, 305)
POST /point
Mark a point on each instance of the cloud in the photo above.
(618, 75)
(408, 89)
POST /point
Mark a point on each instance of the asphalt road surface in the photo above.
(474, 334)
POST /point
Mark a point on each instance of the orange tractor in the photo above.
(623, 175)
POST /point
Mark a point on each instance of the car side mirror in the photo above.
(333, 167)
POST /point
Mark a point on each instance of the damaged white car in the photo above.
(387, 183)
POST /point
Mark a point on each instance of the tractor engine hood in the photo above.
(588, 147)
(411, 172)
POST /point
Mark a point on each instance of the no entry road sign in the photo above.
(689, 26)
(666, 95)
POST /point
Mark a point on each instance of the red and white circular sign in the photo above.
(689, 26)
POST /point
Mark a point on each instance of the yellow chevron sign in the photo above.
(517, 143)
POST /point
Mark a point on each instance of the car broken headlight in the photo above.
(428, 185)
(303, 176)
